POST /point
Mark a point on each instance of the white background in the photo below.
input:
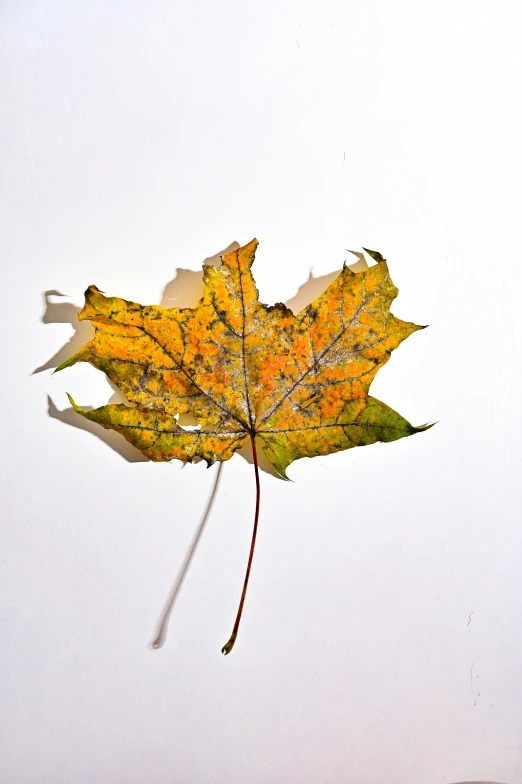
(382, 634)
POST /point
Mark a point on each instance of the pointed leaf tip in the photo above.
(428, 426)
(378, 257)
(74, 404)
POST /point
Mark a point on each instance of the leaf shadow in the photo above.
(64, 313)
(183, 291)
(314, 287)
(186, 287)
(162, 627)
(110, 437)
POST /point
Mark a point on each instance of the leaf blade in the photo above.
(238, 366)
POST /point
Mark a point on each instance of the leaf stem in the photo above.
(230, 644)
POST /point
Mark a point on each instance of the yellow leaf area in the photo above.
(299, 383)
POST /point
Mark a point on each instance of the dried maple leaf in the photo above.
(298, 383)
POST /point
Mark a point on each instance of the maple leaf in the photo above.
(297, 383)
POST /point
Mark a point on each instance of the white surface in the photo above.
(382, 632)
